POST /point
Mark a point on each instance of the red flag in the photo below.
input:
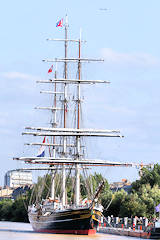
(66, 109)
(50, 70)
(59, 23)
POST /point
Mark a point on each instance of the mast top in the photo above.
(66, 21)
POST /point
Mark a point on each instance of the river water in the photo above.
(23, 231)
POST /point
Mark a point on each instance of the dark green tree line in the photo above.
(144, 196)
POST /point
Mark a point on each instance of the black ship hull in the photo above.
(155, 233)
(72, 221)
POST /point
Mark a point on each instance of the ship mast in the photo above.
(77, 168)
(65, 112)
(54, 124)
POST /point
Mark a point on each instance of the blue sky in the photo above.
(126, 36)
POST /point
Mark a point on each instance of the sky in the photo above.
(125, 34)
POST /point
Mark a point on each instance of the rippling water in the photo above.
(23, 231)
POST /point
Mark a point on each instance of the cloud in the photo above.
(17, 80)
(17, 75)
(121, 110)
(18, 93)
(136, 59)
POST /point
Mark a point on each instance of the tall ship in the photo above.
(62, 145)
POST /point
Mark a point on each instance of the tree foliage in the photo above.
(145, 195)
(13, 210)
(149, 176)
(116, 201)
(132, 206)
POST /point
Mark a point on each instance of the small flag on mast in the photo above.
(41, 151)
(49, 148)
(59, 23)
(50, 69)
(66, 108)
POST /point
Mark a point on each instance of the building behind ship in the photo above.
(15, 179)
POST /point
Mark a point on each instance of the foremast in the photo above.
(54, 124)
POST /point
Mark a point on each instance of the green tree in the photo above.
(150, 196)
(5, 210)
(95, 180)
(132, 206)
(19, 210)
(117, 200)
(148, 176)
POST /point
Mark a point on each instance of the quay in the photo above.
(125, 232)
(133, 227)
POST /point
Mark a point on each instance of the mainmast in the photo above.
(65, 112)
(77, 168)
